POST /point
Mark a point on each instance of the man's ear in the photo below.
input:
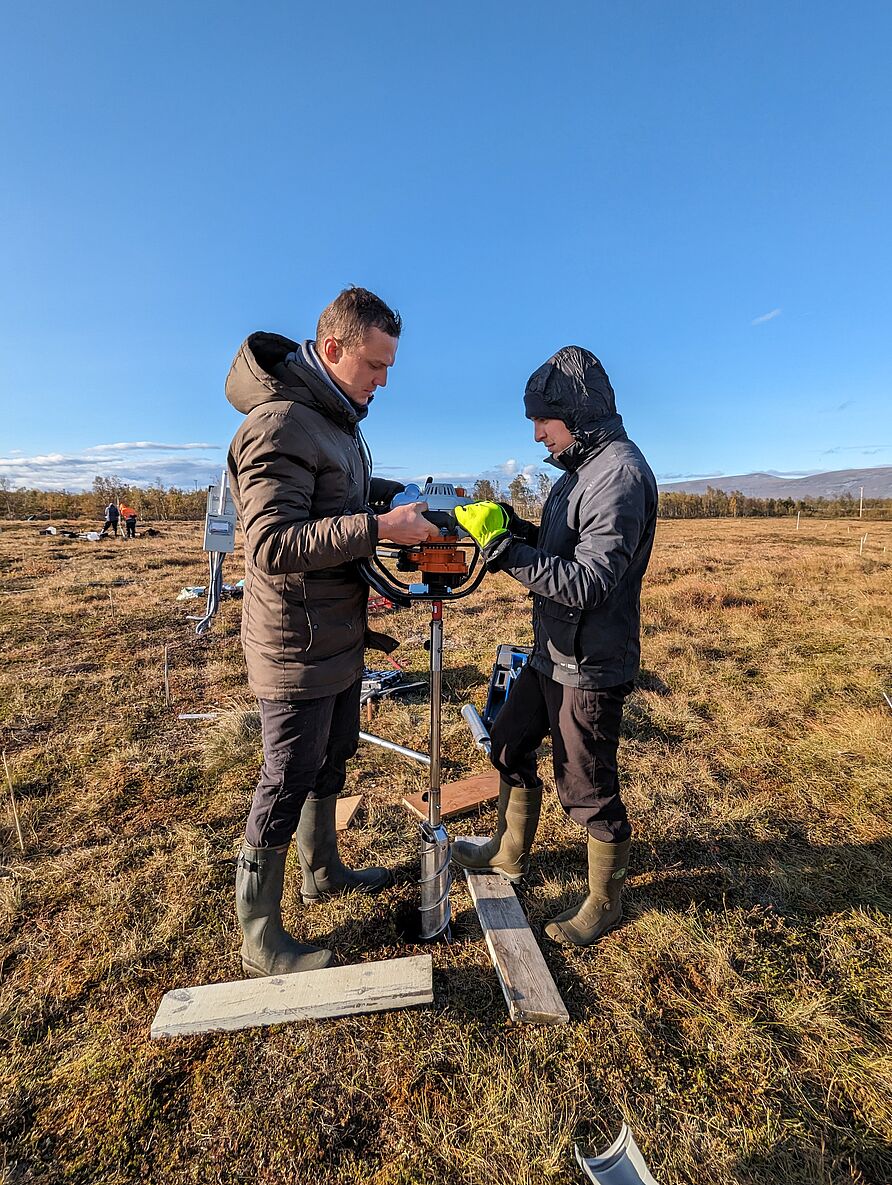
(331, 350)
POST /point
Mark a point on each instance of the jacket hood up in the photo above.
(573, 386)
(259, 374)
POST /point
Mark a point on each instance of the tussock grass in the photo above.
(740, 1020)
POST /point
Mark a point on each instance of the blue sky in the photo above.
(697, 191)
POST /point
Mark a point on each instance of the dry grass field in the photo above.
(740, 1020)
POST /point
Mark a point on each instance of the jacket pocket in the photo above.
(322, 616)
(557, 631)
(335, 627)
(297, 631)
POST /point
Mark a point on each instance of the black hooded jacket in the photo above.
(585, 562)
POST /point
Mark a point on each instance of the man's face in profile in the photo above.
(554, 434)
(360, 370)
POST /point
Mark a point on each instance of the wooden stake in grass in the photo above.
(798, 517)
(15, 809)
(166, 680)
(863, 538)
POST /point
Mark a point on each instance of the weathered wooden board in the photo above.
(345, 809)
(307, 995)
(457, 798)
(529, 990)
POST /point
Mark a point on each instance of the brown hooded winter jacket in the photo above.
(301, 484)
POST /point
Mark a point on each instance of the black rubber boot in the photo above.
(323, 873)
(508, 852)
(585, 922)
(267, 947)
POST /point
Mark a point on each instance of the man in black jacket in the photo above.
(111, 520)
(584, 565)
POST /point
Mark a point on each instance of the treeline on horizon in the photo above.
(159, 503)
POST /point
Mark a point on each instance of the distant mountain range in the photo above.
(877, 483)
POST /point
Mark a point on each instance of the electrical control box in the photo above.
(219, 523)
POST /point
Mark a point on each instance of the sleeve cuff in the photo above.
(495, 554)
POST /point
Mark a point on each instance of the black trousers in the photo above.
(110, 524)
(584, 727)
(130, 528)
(306, 747)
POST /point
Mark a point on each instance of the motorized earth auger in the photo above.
(448, 568)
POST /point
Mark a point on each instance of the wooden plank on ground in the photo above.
(457, 798)
(345, 810)
(306, 995)
(530, 992)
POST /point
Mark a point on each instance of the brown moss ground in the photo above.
(740, 1020)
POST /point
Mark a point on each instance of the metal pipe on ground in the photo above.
(620, 1164)
(412, 754)
(479, 731)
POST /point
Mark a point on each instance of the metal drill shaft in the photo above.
(436, 878)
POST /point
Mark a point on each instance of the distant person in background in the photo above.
(583, 565)
(111, 520)
(128, 514)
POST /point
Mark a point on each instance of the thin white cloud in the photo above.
(458, 479)
(688, 476)
(138, 463)
(127, 445)
(766, 317)
(496, 474)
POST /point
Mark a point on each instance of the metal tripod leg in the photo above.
(436, 877)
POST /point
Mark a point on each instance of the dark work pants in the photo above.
(130, 528)
(110, 524)
(306, 746)
(584, 727)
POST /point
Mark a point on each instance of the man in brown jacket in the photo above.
(301, 477)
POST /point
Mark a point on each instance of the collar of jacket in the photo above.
(337, 407)
(587, 445)
(307, 356)
(259, 376)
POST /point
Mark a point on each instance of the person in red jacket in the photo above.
(128, 515)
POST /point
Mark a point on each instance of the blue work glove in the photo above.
(483, 521)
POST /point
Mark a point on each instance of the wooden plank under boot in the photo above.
(527, 985)
(307, 995)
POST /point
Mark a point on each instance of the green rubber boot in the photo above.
(322, 871)
(267, 947)
(584, 923)
(508, 852)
